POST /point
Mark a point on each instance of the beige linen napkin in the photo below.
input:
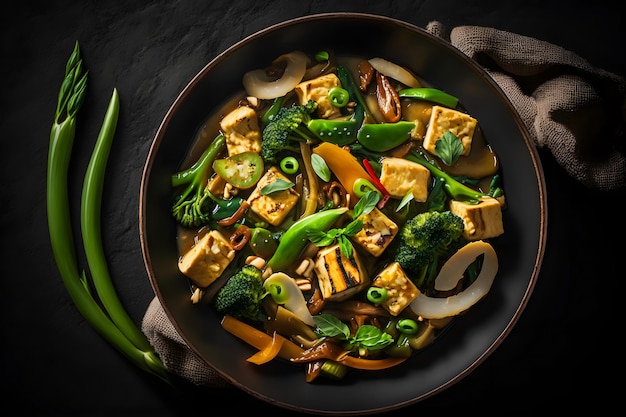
(576, 111)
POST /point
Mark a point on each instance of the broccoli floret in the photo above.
(242, 294)
(424, 239)
(189, 209)
(285, 130)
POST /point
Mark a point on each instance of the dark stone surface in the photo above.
(53, 363)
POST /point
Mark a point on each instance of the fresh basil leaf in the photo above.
(345, 246)
(372, 337)
(449, 148)
(330, 326)
(366, 204)
(320, 167)
(320, 238)
(276, 186)
(354, 227)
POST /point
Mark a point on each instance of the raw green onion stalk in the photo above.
(112, 322)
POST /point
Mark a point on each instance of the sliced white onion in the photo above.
(395, 71)
(451, 272)
(295, 299)
(258, 84)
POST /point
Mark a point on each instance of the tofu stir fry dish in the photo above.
(338, 213)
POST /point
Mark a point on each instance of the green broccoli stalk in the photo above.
(242, 294)
(285, 130)
(188, 208)
(424, 240)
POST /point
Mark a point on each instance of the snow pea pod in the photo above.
(381, 137)
(430, 94)
(295, 238)
(339, 132)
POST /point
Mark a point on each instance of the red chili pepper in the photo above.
(377, 184)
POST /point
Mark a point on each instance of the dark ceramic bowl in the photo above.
(473, 337)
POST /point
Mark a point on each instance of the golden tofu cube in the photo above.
(216, 185)
(401, 176)
(242, 131)
(442, 120)
(482, 220)
(400, 289)
(317, 90)
(274, 207)
(207, 259)
(339, 277)
(377, 233)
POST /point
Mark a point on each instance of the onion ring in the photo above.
(394, 71)
(258, 84)
(451, 272)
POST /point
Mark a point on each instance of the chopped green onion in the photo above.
(377, 295)
(361, 186)
(338, 96)
(278, 293)
(407, 326)
(62, 136)
(322, 56)
(289, 165)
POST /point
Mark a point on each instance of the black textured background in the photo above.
(54, 364)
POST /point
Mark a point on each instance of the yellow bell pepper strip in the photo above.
(344, 165)
(430, 94)
(258, 339)
(290, 351)
(294, 240)
(381, 137)
(269, 352)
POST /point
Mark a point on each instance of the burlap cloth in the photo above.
(576, 111)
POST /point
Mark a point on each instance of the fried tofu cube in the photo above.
(442, 120)
(242, 131)
(400, 289)
(377, 233)
(482, 220)
(207, 259)
(339, 277)
(317, 90)
(401, 176)
(273, 207)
